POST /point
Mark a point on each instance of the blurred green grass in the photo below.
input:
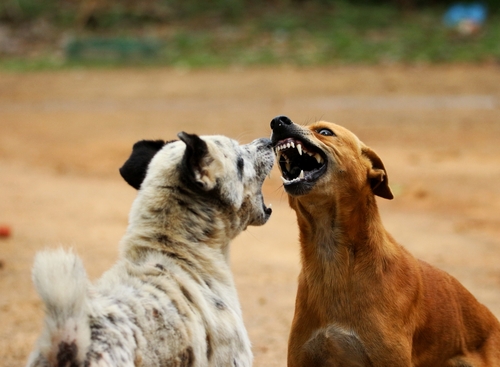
(343, 33)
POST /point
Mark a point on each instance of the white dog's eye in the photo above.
(325, 132)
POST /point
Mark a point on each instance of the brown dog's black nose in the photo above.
(280, 121)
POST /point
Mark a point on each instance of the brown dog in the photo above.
(364, 300)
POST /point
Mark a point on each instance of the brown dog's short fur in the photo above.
(364, 300)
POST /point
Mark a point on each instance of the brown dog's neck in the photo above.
(340, 244)
(344, 234)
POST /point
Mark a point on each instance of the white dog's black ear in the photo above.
(377, 175)
(196, 161)
(135, 168)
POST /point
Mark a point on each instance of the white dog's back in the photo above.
(61, 281)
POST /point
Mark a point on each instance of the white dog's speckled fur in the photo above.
(170, 299)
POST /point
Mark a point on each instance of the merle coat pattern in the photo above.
(170, 299)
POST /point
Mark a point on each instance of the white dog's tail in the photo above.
(61, 282)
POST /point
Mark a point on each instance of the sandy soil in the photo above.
(63, 136)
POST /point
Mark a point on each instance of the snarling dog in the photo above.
(364, 300)
(170, 299)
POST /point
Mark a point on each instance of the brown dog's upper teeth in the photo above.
(300, 148)
(294, 164)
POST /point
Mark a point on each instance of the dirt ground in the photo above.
(63, 136)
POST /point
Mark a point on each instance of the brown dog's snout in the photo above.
(280, 121)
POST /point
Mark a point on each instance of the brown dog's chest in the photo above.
(341, 291)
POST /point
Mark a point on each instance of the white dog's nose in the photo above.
(264, 143)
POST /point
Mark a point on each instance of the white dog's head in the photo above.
(200, 179)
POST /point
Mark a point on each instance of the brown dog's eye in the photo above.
(325, 132)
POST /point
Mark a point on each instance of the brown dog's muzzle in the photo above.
(301, 162)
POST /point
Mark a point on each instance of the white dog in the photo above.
(170, 299)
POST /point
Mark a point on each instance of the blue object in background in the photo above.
(458, 13)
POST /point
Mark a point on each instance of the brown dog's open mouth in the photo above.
(299, 162)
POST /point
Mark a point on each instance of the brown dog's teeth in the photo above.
(299, 148)
(318, 158)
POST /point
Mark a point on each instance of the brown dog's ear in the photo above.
(379, 181)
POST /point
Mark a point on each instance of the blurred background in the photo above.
(82, 80)
(191, 33)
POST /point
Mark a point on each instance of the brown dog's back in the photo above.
(451, 320)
